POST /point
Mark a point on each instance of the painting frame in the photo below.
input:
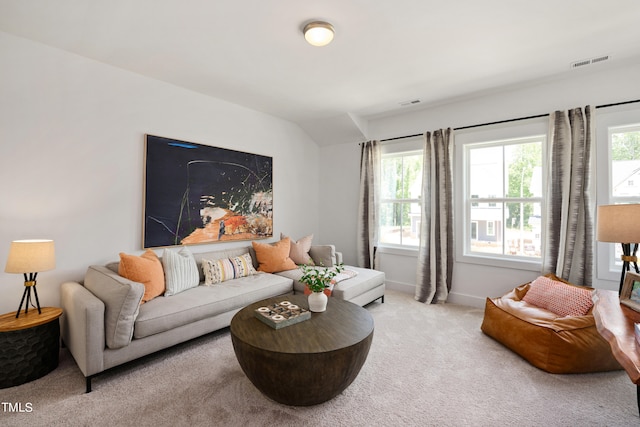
(630, 293)
(201, 194)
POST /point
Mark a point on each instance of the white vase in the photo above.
(318, 301)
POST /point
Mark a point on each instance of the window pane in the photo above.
(400, 223)
(486, 228)
(411, 231)
(524, 169)
(412, 177)
(401, 177)
(391, 177)
(517, 225)
(625, 164)
(390, 223)
(524, 229)
(485, 172)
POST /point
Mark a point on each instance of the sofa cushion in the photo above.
(559, 298)
(363, 281)
(202, 302)
(273, 258)
(180, 271)
(146, 269)
(121, 298)
(221, 270)
(324, 255)
(299, 251)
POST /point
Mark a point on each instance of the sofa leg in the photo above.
(88, 384)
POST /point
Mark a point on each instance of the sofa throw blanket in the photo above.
(344, 275)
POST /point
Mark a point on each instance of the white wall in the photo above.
(471, 283)
(71, 158)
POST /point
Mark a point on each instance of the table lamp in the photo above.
(619, 224)
(29, 257)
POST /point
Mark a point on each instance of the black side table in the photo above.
(29, 345)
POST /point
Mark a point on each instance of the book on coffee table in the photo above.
(281, 314)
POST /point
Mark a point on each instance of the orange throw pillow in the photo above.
(273, 258)
(145, 269)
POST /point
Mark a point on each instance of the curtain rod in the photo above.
(508, 121)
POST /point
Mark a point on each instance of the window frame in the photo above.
(494, 135)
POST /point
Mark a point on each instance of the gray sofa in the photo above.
(103, 324)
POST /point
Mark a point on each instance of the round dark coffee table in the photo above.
(306, 363)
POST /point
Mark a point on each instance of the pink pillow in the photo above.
(558, 297)
(299, 251)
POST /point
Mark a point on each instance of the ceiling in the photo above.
(252, 52)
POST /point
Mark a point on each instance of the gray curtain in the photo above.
(435, 256)
(570, 210)
(368, 203)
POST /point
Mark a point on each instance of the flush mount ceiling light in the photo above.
(318, 33)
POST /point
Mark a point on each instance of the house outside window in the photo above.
(502, 198)
(401, 184)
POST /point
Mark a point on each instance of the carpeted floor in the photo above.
(429, 365)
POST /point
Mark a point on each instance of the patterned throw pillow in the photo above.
(220, 270)
(558, 297)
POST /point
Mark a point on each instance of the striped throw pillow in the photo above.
(180, 271)
(221, 270)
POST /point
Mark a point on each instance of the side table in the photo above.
(615, 322)
(29, 345)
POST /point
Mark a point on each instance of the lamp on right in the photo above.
(620, 224)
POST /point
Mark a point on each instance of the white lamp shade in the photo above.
(31, 256)
(618, 223)
(318, 33)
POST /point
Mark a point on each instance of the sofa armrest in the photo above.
(82, 327)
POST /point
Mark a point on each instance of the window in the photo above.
(491, 226)
(401, 183)
(618, 157)
(624, 152)
(502, 198)
(624, 148)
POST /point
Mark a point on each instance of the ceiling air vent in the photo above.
(591, 61)
(412, 102)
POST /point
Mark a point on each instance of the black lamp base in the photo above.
(26, 295)
(628, 258)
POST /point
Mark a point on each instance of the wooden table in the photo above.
(29, 345)
(615, 322)
(306, 363)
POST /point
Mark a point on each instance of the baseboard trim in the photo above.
(469, 300)
(406, 288)
(454, 297)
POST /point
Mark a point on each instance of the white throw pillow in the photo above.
(180, 271)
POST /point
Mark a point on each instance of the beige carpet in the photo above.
(429, 365)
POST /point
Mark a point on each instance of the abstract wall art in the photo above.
(196, 194)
